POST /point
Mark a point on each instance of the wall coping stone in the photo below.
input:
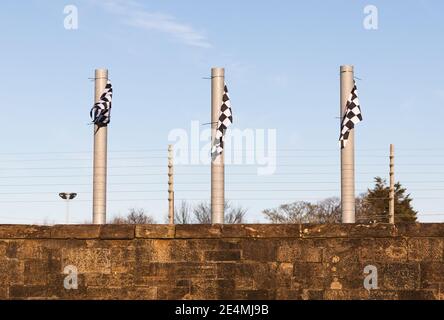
(196, 231)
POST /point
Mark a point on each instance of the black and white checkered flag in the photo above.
(351, 117)
(101, 111)
(225, 120)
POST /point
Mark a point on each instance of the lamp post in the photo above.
(67, 196)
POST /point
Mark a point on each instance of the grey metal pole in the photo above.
(100, 156)
(170, 185)
(67, 211)
(392, 185)
(348, 153)
(217, 164)
(67, 196)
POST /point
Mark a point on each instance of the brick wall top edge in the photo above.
(194, 231)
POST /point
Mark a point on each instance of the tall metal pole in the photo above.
(217, 164)
(100, 156)
(170, 185)
(348, 153)
(392, 185)
(67, 196)
(67, 211)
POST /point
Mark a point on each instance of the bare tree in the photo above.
(202, 213)
(296, 212)
(363, 210)
(328, 211)
(135, 216)
(325, 211)
(233, 215)
(182, 215)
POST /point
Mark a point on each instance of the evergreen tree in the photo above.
(375, 204)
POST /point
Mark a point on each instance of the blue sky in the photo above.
(282, 68)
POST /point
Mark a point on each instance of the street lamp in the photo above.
(67, 196)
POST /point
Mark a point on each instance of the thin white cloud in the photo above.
(168, 24)
(135, 15)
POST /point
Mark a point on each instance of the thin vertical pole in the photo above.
(392, 185)
(348, 153)
(217, 164)
(67, 211)
(170, 185)
(100, 156)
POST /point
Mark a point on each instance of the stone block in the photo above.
(254, 294)
(399, 276)
(20, 231)
(222, 255)
(268, 231)
(422, 230)
(383, 250)
(308, 275)
(418, 295)
(298, 250)
(259, 249)
(155, 231)
(432, 274)
(425, 249)
(88, 260)
(347, 230)
(198, 231)
(28, 292)
(117, 231)
(75, 232)
(11, 272)
(36, 272)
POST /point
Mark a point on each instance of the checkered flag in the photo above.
(351, 117)
(225, 120)
(101, 111)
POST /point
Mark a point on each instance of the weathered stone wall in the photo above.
(222, 262)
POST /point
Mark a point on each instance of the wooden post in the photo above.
(348, 153)
(217, 164)
(170, 185)
(392, 185)
(100, 155)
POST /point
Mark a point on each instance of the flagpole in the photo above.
(347, 153)
(100, 155)
(217, 164)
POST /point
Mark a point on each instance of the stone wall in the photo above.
(222, 262)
